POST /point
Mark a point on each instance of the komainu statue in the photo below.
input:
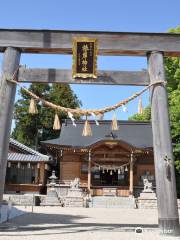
(75, 184)
(147, 185)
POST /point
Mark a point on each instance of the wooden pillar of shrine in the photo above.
(163, 156)
(42, 173)
(89, 172)
(131, 176)
(7, 95)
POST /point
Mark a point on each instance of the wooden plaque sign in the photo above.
(84, 58)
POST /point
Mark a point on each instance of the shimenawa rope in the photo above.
(78, 111)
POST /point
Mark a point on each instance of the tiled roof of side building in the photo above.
(20, 157)
(137, 134)
(27, 154)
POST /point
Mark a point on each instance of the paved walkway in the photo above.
(74, 223)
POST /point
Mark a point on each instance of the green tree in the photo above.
(31, 129)
(172, 67)
(145, 116)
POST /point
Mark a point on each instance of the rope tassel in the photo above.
(114, 125)
(140, 107)
(87, 129)
(57, 125)
(33, 107)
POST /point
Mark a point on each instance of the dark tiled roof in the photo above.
(20, 157)
(137, 134)
(28, 154)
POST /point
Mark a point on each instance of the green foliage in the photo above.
(172, 67)
(27, 126)
(172, 70)
(145, 116)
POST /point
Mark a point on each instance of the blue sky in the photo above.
(114, 15)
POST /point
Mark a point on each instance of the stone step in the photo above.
(112, 202)
(51, 199)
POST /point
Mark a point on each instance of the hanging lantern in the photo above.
(87, 129)
(29, 165)
(33, 107)
(111, 172)
(126, 169)
(56, 125)
(38, 165)
(103, 171)
(9, 164)
(114, 125)
(140, 107)
(19, 165)
(99, 168)
(119, 171)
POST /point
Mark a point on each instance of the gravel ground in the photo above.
(82, 224)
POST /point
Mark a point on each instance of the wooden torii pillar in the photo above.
(7, 95)
(164, 170)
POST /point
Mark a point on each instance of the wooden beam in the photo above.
(111, 159)
(164, 170)
(110, 43)
(111, 153)
(7, 96)
(42, 173)
(137, 78)
(89, 172)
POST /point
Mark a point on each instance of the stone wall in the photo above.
(150, 203)
(22, 199)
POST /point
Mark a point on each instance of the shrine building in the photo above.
(27, 170)
(108, 162)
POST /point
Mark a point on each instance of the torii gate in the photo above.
(153, 45)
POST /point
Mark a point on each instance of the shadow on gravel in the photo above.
(63, 223)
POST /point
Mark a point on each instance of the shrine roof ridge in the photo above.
(136, 134)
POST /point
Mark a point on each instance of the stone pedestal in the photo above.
(74, 198)
(147, 199)
(147, 195)
(51, 199)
